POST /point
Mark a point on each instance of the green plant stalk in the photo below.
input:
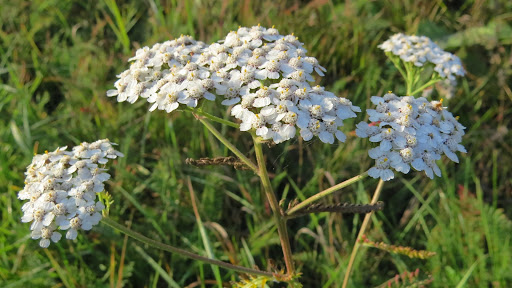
(274, 205)
(184, 253)
(410, 78)
(429, 83)
(204, 236)
(156, 266)
(228, 144)
(396, 61)
(326, 192)
(200, 111)
(362, 230)
(120, 32)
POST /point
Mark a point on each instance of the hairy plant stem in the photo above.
(279, 218)
(362, 230)
(184, 253)
(324, 193)
(228, 144)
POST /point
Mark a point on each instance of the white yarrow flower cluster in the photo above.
(420, 50)
(410, 132)
(166, 75)
(61, 187)
(267, 75)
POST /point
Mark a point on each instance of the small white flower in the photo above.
(46, 234)
(381, 169)
(269, 70)
(167, 98)
(232, 91)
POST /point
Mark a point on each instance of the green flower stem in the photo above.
(362, 230)
(324, 193)
(274, 205)
(429, 83)
(200, 111)
(410, 77)
(184, 253)
(228, 144)
(397, 61)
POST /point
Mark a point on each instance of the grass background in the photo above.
(58, 58)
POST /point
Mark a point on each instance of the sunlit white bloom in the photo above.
(289, 102)
(168, 74)
(420, 50)
(382, 169)
(46, 234)
(411, 132)
(254, 69)
(62, 186)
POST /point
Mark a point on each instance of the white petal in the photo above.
(71, 234)
(402, 167)
(341, 136)
(326, 137)
(375, 153)
(56, 236)
(172, 107)
(418, 164)
(209, 96)
(385, 145)
(245, 126)
(229, 102)
(261, 102)
(306, 134)
(449, 153)
(374, 172)
(112, 92)
(387, 175)
(44, 243)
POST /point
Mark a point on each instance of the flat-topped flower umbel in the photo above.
(420, 50)
(410, 132)
(267, 76)
(61, 187)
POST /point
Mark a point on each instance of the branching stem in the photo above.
(326, 192)
(228, 144)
